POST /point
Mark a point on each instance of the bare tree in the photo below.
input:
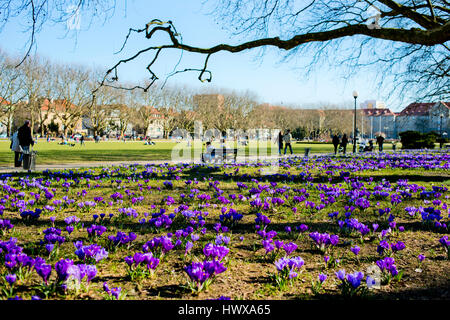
(148, 113)
(175, 101)
(10, 90)
(45, 104)
(98, 113)
(124, 111)
(32, 81)
(405, 40)
(74, 95)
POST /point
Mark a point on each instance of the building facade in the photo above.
(425, 117)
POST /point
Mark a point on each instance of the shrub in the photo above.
(417, 140)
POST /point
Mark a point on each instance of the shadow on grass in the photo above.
(168, 291)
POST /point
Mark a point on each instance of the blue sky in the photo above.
(272, 81)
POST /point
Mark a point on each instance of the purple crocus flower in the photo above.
(268, 245)
(44, 271)
(278, 244)
(281, 263)
(355, 279)
(444, 241)
(322, 278)
(91, 272)
(75, 272)
(49, 247)
(11, 278)
(189, 246)
(61, 268)
(289, 248)
(355, 250)
(70, 229)
(115, 292)
(341, 274)
(194, 237)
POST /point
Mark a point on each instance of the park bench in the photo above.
(221, 155)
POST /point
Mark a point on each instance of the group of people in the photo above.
(286, 139)
(343, 144)
(149, 141)
(210, 154)
(20, 143)
(338, 142)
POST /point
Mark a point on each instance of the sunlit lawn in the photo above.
(109, 151)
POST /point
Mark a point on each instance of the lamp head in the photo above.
(355, 94)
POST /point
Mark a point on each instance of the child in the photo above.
(208, 156)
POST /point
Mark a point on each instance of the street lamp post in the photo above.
(440, 133)
(355, 95)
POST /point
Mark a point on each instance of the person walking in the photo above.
(82, 140)
(380, 141)
(287, 140)
(335, 143)
(344, 143)
(15, 146)
(25, 137)
(280, 142)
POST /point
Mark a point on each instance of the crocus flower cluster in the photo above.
(231, 217)
(353, 224)
(115, 293)
(159, 246)
(195, 218)
(288, 269)
(202, 274)
(160, 220)
(446, 244)
(5, 225)
(53, 235)
(214, 252)
(350, 284)
(31, 215)
(95, 230)
(121, 238)
(432, 216)
(324, 240)
(141, 265)
(388, 249)
(129, 212)
(92, 253)
(389, 269)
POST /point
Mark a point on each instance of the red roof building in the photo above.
(425, 117)
(4, 101)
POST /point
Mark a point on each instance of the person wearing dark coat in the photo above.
(344, 142)
(280, 142)
(335, 143)
(380, 141)
(25, 138)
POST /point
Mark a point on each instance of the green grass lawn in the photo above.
(108, 151)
